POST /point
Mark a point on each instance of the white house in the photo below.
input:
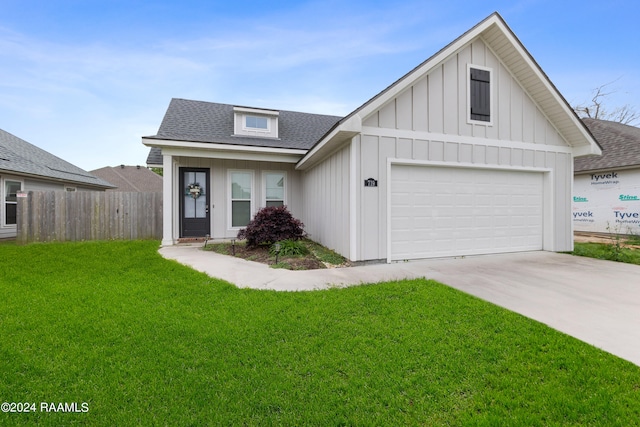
(469, 153)
(606, 189)
(25, 167)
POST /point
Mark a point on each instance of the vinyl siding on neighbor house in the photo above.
(37, 185)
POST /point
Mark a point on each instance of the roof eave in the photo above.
(56, 179)
(224, 151)
(572, 129)
(586, 150)
(540, 87)
(354, 119)
(334, 138)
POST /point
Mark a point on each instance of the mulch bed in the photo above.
(262, 255)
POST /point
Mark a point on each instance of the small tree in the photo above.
(272, 224)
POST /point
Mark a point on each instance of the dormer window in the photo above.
(255, 122)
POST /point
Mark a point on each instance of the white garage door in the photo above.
(444, 211)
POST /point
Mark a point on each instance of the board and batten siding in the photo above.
(376, 150)
(437, 104)
(327, 201)
(428, 121)
(219, 192)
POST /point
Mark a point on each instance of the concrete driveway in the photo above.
(595, 301)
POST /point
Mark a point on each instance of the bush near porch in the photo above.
(272, 224)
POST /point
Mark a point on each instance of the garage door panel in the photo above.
(464, 211)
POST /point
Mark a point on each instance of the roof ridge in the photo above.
(257, 108)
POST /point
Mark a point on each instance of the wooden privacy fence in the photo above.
(88, 215)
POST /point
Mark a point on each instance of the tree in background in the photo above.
(627, 114)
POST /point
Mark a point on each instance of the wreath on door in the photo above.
(194, 190)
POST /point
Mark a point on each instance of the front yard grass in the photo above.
(147, 341)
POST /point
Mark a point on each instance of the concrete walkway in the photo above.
(593, 300)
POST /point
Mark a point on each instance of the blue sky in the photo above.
(85, 80)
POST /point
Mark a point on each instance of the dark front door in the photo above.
(194, 202)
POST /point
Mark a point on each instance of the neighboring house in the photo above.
(130, 178)
(606, 189)
(25, 167)
(469, 153)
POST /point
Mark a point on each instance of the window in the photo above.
(11, 189)
(255, 122)
(274, 188)
(241, 192)
(480, 94)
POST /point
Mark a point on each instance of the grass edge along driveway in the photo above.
(146, 341)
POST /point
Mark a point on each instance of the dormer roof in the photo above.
(209, 122)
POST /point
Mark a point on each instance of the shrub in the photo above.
(272, 224)
(290, 248)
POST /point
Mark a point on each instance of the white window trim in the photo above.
(230, 197)
(491, 100)
(3, 212)
(264, 186)
(258, 130)
(240, 122)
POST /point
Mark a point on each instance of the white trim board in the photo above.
(459, 139)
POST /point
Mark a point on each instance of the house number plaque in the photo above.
(370, 182)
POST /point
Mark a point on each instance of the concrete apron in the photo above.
(593, 300)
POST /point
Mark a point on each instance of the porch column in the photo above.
(167, 200)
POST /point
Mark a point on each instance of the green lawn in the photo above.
(146, 341)
(612, 252)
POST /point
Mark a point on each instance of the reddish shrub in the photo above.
(272, 224)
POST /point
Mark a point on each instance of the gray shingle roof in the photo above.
(154, 158)
(130, 178)
(199, 121)
(620, 146)
(22, 158)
